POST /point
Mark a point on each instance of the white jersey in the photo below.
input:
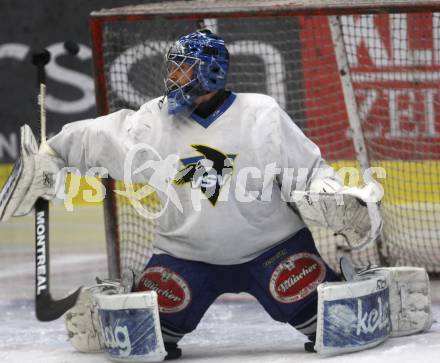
(228, 218)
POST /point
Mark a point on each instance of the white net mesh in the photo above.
(395, 66)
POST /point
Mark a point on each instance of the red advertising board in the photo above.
(395, 68)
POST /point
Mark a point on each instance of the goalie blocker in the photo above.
(35, 175)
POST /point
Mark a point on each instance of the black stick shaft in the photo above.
(46, 308)
(42, 260)
(42, 272)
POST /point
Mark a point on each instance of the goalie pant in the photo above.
(284, 280)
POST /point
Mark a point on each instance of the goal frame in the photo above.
(197, 11)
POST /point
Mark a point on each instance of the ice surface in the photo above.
(233, 330)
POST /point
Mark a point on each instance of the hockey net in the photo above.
(287, 51)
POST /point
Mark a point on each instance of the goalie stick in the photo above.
(46, 308)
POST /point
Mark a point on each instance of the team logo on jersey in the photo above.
(172, 290)
(296, 277)
(209, 172)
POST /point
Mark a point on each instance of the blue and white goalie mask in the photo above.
(196, 64)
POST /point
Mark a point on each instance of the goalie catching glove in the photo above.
(33, 176)
(350, 212)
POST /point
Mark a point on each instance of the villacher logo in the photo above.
(296, 277)
(172, 290)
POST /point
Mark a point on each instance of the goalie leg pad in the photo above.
(81, 320)
(410, 295)
(82, 324)
(377, 304)
(130, 327)
(353, 315)
(410, 299)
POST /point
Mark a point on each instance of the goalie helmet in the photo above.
(206, 61)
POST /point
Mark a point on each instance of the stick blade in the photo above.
(47, 309)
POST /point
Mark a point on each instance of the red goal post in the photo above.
(391, 118)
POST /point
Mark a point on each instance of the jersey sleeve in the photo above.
(298, 157)
(102, 142)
